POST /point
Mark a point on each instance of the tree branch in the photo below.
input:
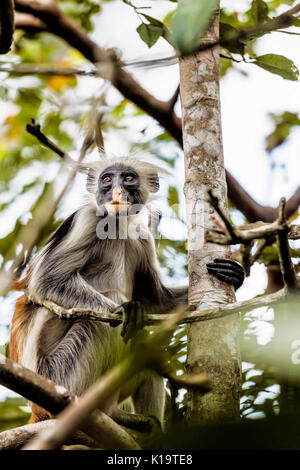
(35, 130)
(14, 439)
(59, 24)
(286, 264)
(173, 100)
(156, 319)
(244, 235)
(146, 353)
(55, 398)
(254, 211)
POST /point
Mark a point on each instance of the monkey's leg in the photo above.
(135, 421)
(149, 398)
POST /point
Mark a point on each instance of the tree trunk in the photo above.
(213, 346)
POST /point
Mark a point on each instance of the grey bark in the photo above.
(213, 346)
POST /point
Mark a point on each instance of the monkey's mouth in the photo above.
(118, 206)
(119, 203)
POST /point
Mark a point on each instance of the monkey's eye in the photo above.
(129, 178)
(106, 179)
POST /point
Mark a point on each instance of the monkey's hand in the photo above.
(133, 319)
(227, 270)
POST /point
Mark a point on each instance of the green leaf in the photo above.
(152, 20)
(284, 123)
(228, 31)
(189, 23)
(165, 33)
(278, 65)
(226, 65)
(4, 349)
(150, 33)
(173, 199)
(12, 415)
(259, 11)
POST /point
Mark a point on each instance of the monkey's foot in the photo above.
(137, 422)
(227, 270)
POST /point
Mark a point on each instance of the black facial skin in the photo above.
(125, 178)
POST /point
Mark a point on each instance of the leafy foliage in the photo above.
(47, 99)
(150, 33)
(81, 11)
(259, 12)
(278, 65)
(11, 413)
(283, 124)
(189, 22)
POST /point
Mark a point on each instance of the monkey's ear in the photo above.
(154, 182)
(91, 180)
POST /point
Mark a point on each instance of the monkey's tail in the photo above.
(19, 285)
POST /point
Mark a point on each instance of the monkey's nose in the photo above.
(117, 194)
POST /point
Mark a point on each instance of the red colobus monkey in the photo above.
(85, 264)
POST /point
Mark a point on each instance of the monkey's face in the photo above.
(119, 190)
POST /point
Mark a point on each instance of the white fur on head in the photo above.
(148, 169)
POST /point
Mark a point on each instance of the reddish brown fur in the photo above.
(20, 322)
(39, 414)
(24, 311)
(21, 284)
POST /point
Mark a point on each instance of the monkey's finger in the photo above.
(132, 310)
(115, 323)
(215, 269)
(240, 273)
(134, 320)
(227, 275)
(228, 280)
(125, 324)
(230, 262)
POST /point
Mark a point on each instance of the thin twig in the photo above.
(280, 228)
(286, 264)
(259, 249)
(284, 20)
(246, 233)
(187, 317)
(214, 201)
(35, 130)
(245, 251)
(62, 26)
(174, 98)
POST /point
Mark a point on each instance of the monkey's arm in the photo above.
(160, 299)
(56, 273)
(69, 291)
(56, 277)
